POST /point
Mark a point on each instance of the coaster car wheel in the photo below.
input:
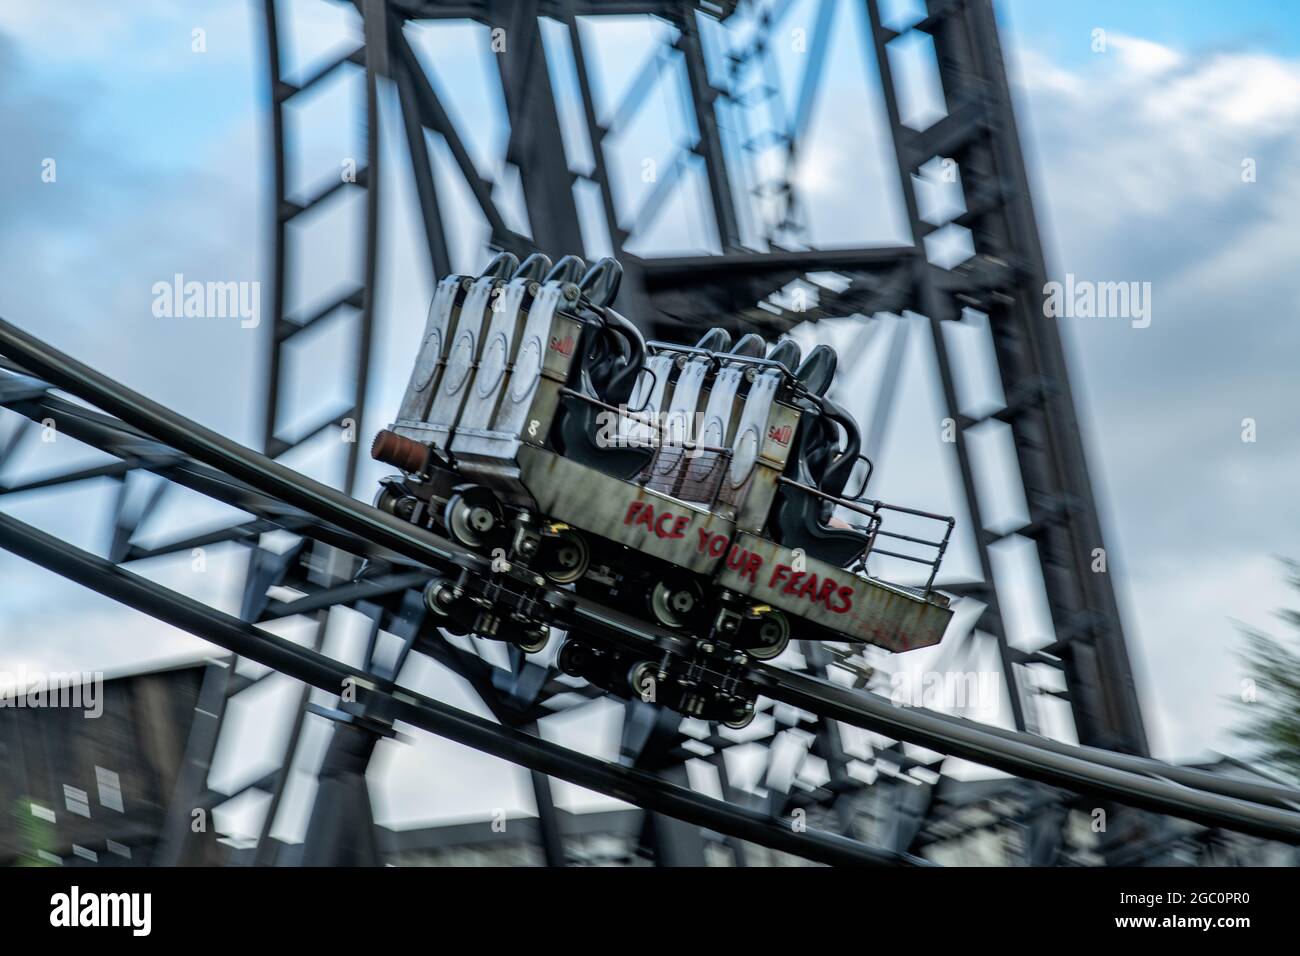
(744, 717)
(768, 636)
(674, 600)
(565, 557)
(472, 516)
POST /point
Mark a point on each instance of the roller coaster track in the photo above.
(732, 122)
(143, 434)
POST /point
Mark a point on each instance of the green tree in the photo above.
(33, 834)
(1271, 705)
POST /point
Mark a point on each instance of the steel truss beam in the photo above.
(1005, 280)
(1130, 780)
(398, 703)
(978, 133)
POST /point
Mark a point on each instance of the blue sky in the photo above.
(1063, 31)
(1134, 155)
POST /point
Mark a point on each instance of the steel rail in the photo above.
(220, 452)
(1259, 809)
(121, 440)
(624, 783)
(1155, 786)
(1257, 791)
(109, 435)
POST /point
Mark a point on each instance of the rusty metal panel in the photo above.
(422, 432)
(858, 607)
(491, 457)
(623, 512)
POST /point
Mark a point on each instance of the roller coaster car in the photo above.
(694, 486)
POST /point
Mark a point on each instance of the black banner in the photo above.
(334, 907)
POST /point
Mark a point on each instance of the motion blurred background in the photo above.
(1137, 154)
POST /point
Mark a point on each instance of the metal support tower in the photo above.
(1005, 281)
(760, 246)
(760, 249)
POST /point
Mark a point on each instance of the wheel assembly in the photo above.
(565, 557)
(768, 636)
(672, 601)
(450, 609)
(394, 498)
(571, 657)
(744, 716)
(471, 516)
(643, 679)
(534, 640)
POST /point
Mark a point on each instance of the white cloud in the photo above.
(1136, 141)
(1144, 57)
(1250, 92)
(1138, 169)
(1137, 162)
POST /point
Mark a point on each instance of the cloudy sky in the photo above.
(1136, 154)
